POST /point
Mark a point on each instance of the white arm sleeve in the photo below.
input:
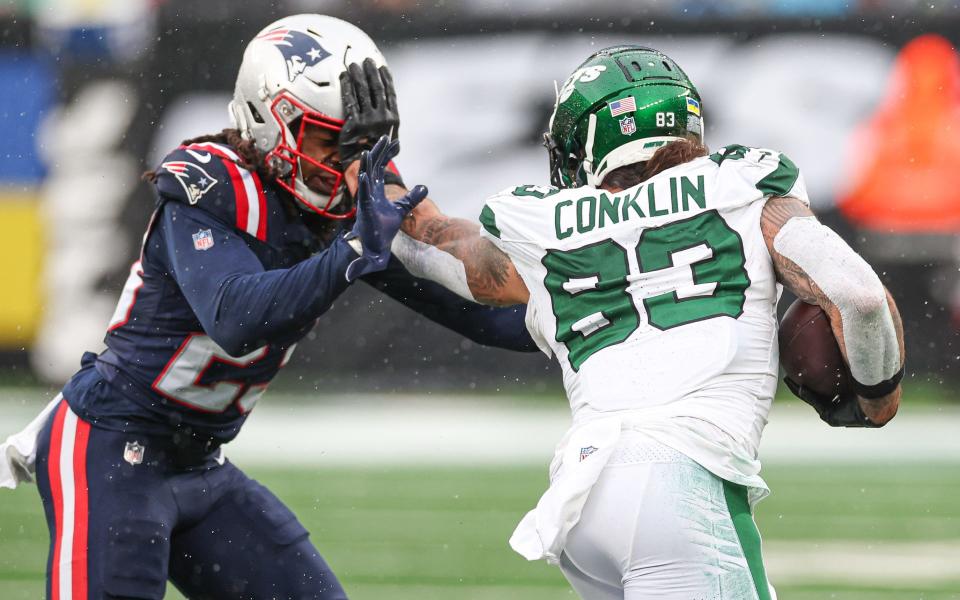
(427, 262)
(850, 283)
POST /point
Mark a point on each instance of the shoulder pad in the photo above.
(207, 175)
(769, 171)
(517, 205)
(532, 191)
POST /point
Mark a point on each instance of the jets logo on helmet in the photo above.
(299, 49)
(195, 181)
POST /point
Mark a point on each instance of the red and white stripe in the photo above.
(68, 485)
(274, 35)
(250, 200)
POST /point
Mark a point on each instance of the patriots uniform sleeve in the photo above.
(501, 327)
(239, 304)
(207, 175)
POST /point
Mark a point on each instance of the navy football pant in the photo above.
(120, 529)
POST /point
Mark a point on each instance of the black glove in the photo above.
(369, 107)
(836, 411)
(378, 219)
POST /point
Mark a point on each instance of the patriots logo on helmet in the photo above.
(195, 181)
(299, 49)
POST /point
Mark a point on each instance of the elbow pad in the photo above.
(427, 262)
(854, 288)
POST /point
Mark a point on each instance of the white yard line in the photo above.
(880, 563)
(411, 431)
(395, 430)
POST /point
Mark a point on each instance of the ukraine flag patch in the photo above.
(693, 106)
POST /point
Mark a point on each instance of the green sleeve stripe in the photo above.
(747, 533)
(489, 221)
(781, 180)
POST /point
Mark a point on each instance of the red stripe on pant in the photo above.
(53, 469)
(68, 485)
(81, 497)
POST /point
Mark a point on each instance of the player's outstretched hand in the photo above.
(378, 219)
(369, 106)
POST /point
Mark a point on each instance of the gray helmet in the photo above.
(290, 78)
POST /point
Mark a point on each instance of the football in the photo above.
(809, 353)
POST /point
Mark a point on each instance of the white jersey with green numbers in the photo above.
(659, 301)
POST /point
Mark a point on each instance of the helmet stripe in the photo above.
(591, 136)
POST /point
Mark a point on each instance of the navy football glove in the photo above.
(378, 219)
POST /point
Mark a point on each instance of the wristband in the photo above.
(878, 390)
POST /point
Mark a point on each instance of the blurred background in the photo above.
(409, 452)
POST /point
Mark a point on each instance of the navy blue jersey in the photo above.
(230, 277)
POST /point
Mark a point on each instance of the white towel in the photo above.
(18, 455)
(582, 455)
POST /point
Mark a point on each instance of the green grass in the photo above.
(441, 533)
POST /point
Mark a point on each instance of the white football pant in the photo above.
(658, 526)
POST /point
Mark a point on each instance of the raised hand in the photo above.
(378, 219)
(369, 106)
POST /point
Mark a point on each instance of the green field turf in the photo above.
(441, 533)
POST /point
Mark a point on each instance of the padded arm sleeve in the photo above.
(854, 288)
(427, 262)
(240, 305)
(502, 327)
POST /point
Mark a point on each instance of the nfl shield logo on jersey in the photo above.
(203, 239)
(585, 452)
(133, 453)
(628, 126)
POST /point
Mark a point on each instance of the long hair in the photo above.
(675, 153)
(250, 158)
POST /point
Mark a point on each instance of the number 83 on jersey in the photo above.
(683, 272)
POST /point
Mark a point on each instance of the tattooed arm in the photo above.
(491, 275)
(776, 213)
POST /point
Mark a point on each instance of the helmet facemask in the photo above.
(288, 158)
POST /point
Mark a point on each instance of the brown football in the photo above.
(809, 353)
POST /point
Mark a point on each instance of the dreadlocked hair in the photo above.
(675, 153)
(250, 158)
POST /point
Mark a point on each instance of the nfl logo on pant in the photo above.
(133, 453)
(585, 452)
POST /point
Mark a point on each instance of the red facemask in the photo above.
(321, 203)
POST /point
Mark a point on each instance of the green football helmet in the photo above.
(618, 108)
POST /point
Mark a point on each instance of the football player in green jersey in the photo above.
(651, 269)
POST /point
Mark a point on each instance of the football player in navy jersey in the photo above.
(253, 237)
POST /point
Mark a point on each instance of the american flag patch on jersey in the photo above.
(623, 105)
(203, 239)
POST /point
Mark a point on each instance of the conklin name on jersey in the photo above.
(661, 299)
